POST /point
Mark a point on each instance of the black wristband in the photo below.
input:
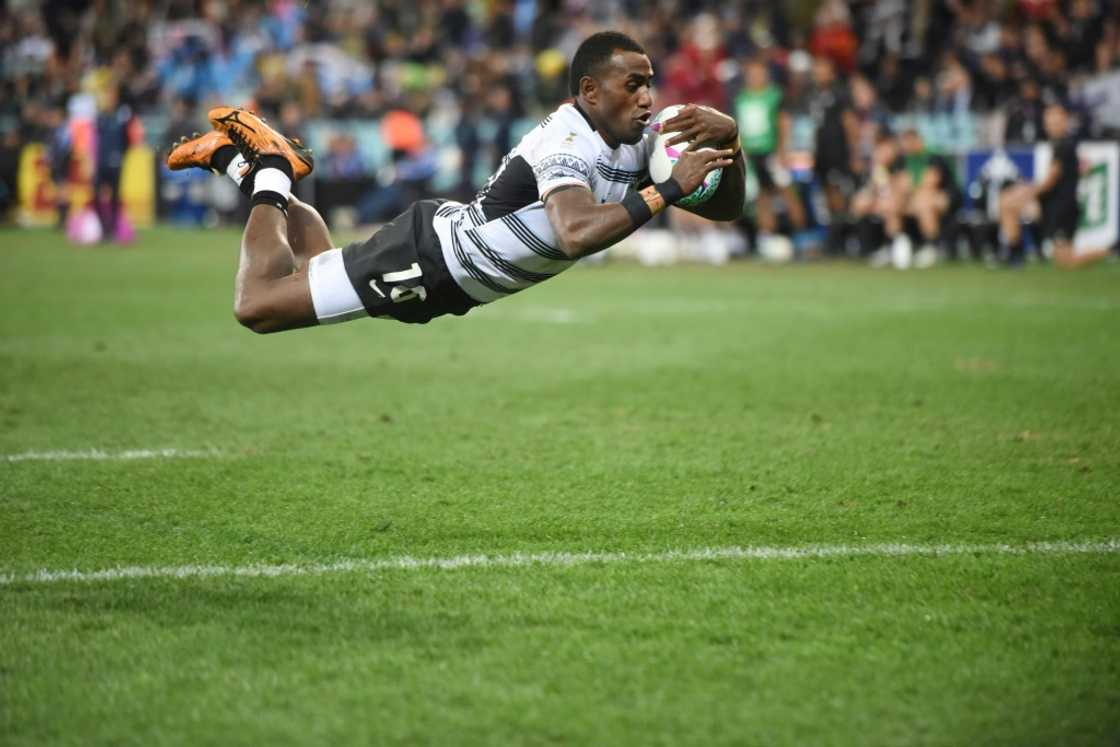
(268, 197)
(670, 189)
(636, 205)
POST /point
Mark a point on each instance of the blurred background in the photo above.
(874, 126)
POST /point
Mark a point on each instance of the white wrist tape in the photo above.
(272, 180)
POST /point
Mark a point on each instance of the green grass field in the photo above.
(613, 410)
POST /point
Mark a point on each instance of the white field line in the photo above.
(560, 560)
(110, 456)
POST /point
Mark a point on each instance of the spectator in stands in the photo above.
(764, 130)
(993, 83)
(342, 160)
(1024, 115)
(500, 111)
(1053, 199)
(923, 101)
(692, 73)
(183, 122)
(1107, 54)
(832, 35)
(1081, 33)
(954, 87)
(893, 83)
(11, 146)
(468, 138)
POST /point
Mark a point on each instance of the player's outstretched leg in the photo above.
(272, 292)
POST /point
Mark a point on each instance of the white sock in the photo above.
(238, 169)
(273, 180)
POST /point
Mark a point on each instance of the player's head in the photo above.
(912, 142)
(1056, 120)
(863, 93)
(886, 147)
(757, 73)
(824, 72)
(610, 78)
(935, 176)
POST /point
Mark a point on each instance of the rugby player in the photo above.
(1054, 199)
(574, 185)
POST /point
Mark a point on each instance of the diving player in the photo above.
(574, 185)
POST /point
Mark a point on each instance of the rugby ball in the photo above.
(664, 157)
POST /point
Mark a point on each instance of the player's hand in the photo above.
(694, 165)
(701, 124)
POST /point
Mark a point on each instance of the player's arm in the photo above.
(785, 134)
(851, 125)
(703, 124)
(583, 226)
(1053, 174)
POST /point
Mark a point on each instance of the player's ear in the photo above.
(589, 89)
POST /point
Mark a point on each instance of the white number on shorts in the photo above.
(400, 295)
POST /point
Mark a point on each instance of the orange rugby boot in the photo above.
(255, 138)
(197, 151)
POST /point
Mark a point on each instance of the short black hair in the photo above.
(595, 51)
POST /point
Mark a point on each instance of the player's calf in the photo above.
(271, 295)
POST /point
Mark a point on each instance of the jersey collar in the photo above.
(583, 114)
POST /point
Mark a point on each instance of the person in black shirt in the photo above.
(835, 146)
(1053, 199)
(112, 142)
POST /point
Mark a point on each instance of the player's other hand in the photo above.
(701, 124)
(694, 165)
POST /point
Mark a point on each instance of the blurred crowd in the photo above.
(480, 66)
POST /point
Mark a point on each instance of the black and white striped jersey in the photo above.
(502, 242)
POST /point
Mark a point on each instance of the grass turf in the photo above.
(611, 409)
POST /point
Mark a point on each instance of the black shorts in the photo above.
(1059, 218)
(833, 169)
(400, 273)
(761, 169)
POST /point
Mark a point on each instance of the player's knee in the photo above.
(254, 316)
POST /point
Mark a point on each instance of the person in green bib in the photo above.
(764, 131)
(934, 195)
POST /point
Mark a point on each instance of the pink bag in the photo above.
(83, 227)
(124, 232)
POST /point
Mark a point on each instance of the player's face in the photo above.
(623, 100)
(757, 76)
(1056, 122)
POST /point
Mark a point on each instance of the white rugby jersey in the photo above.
(502, 242)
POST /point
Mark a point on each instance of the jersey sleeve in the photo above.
(562, 157)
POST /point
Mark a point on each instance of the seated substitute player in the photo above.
(573, 186)
(1055, 197)
(764, 127)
